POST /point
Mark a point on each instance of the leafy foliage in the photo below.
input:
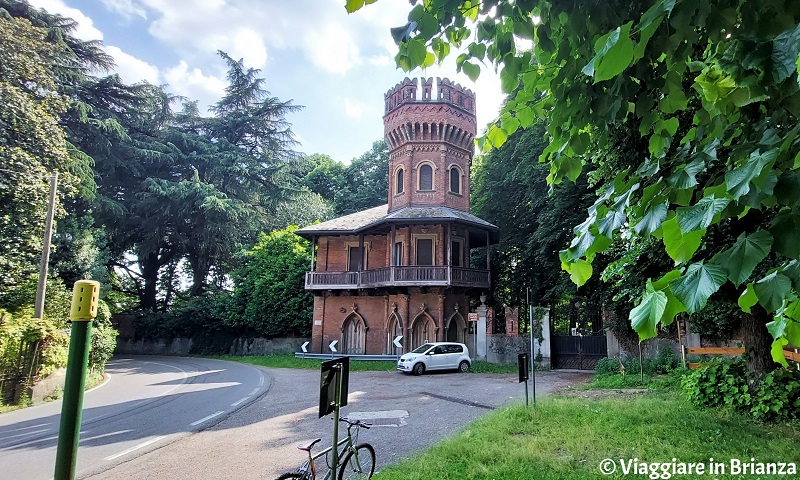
(269, 296)
(722, 383)
(711, 88)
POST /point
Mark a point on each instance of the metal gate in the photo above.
(578, 340)
(19, 364)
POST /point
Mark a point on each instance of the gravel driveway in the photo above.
(410, 413)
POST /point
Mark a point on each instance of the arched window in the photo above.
(399, 181)
(425, 177)
(354, 335)
(422, 331)
(455, 180)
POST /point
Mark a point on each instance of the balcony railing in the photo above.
(399, 276)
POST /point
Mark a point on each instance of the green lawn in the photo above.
(566, 437)
(289, 361)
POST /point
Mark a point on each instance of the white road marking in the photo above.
(255, 390)
(260, 380)
(137, 447)
(204, 419)
(240, 401)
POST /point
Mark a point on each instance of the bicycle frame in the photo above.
(346, 442)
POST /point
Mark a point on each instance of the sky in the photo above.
(337, 66)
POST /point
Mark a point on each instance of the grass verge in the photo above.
(290, 361)
(568, 438)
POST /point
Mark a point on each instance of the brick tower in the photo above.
(404, 269)
(430, 143)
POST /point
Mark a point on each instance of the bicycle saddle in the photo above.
(308, 447)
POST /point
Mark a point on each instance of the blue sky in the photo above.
(338, 66)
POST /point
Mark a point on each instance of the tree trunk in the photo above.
(149, 266)
(757, 343)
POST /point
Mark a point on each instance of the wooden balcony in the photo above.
(430, 276)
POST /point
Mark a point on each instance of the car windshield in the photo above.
(422, 349)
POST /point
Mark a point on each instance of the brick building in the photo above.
(404, 268)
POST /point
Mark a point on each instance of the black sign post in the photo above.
(334, 379)
(522, 360)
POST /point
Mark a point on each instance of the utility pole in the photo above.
(38, 311)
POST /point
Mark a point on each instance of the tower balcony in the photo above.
(407, 276)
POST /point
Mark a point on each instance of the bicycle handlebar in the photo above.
(357, 423)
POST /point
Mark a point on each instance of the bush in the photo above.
(607, 366)
(723, 384)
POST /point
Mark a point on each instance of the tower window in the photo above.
(425, 177)
(399, 182)
(455, 180)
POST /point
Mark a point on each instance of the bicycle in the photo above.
(355, 461)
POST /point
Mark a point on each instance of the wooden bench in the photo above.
(790, 353)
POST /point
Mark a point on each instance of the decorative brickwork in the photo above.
(440, 131)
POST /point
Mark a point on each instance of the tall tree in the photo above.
(710, 87)
(32, 144)
(509, 189)
(367, 181)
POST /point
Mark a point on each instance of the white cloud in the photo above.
(86, 29)
(333, 49)
(130, 68)
(353, 108)
(248, 45)
(125, 8)
(193, 84)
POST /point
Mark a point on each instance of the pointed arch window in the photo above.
(425, 177)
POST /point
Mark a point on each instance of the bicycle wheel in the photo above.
(290, 475)
(358, 464)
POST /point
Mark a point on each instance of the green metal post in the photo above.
(69, 432)
(83, 309)
(337, 405)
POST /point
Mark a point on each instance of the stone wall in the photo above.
(505, 348)
(183, 346)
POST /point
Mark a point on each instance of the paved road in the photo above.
(411, 413)
(146, 404)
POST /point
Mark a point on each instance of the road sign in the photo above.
(303, 347)
(396, 341)
(332, 346)
(472, 317)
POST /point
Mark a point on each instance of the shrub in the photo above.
(777, 396)
(607, 366)
(719, 383)
(723, 383)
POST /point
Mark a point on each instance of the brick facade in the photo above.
(429, 126)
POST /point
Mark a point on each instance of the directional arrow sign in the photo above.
(396, 341)
(332, 346)
(303, 347)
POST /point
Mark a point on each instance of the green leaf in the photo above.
(645, 316)
(649, 23)
(701, 214)
(784, 228)
(748, 298)
(785, 51)
(741, 259)
(772, 290)
(680, 246)
(497, 137)
(777, 351)
(353, 5)
(612, 221)
(471, 70)
(427, 26)
(686, 176)
(652, 220)
(738, 180)
(416, 51)
(579, 272)
(614, 52)
(698, 283)
(674, 306)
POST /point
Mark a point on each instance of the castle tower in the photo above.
(430, 139)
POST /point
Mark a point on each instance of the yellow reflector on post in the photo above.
(84, 300)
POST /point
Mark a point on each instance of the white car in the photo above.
(435, 356)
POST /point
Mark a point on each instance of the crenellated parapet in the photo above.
(447, 91)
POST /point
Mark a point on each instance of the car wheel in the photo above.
(463, 367)
(419, 369)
